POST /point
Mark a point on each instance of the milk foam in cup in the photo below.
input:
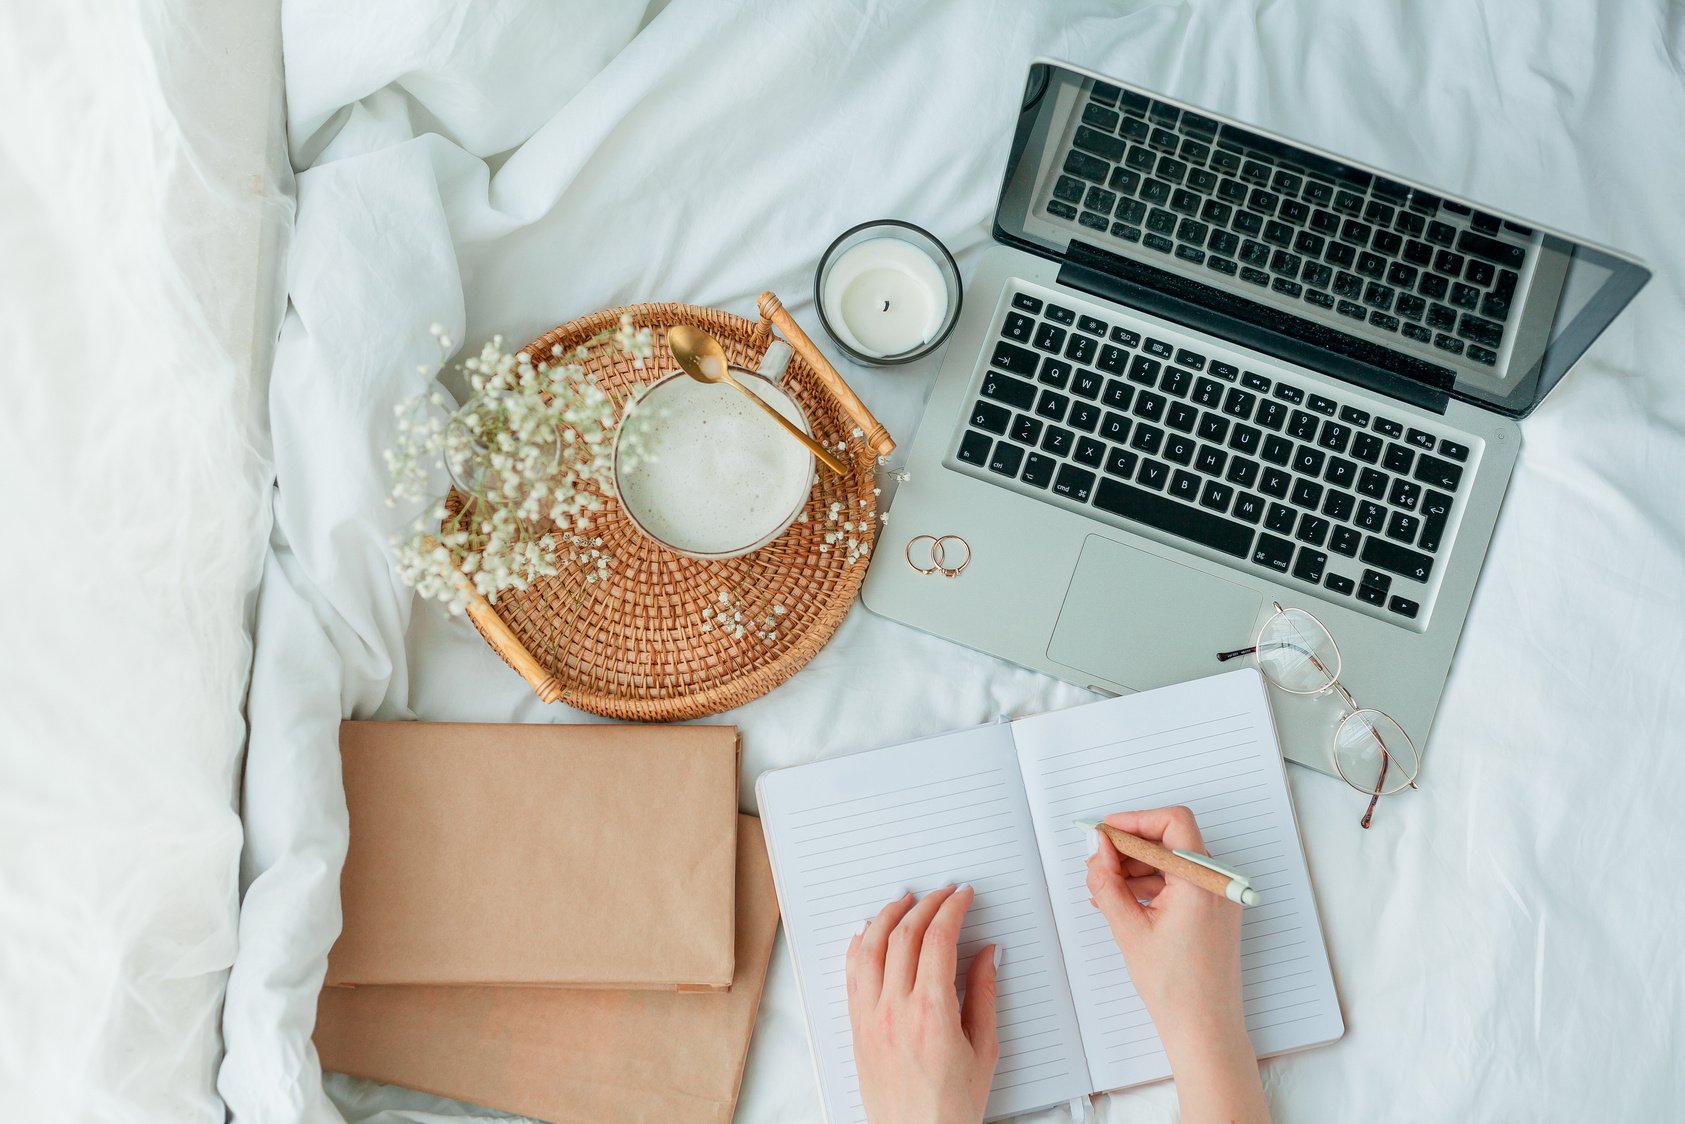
(718, 478)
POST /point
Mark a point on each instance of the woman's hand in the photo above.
(1182, 949)
(922, 1058)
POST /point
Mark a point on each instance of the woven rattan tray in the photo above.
(663, 636)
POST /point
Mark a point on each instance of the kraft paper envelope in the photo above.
(539, 855)
(569, 1057)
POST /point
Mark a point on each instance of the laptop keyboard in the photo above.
(1286, 479)
(1346, 244)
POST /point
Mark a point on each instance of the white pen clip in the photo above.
(1240, 886)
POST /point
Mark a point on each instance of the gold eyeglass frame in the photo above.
(1351, 706)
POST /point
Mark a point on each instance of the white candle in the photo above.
(885, 297)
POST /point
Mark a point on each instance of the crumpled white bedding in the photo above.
(1507, 942)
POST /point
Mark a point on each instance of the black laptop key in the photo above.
(1367, 447)
(1453, 450)
(1100, 117)
(1158, 348)
(1274, 553)
(1226, 371)
(1374, 595)
(1213, 427)
(1243, 472)
(1308, 461)
(974, 448)
(1277, 450)
(1448, 343)
(1014, 392)
(1271, 415)
(1275, 482)
(1052, 406)
(1254, 253)
(1210, 460)
(1309, 565)
(1436, 511)
(1439, 473)
(1184, 486)
(1341, 472)
(1176, 381)
(1404, 607)
(1147, 438)
(1150, 406)
(1121, 463)
(1479, 272)
(1060, 314)
(987, 415)
(1370, 516)
(1249, 508)
(1089, 167)
(1026, 430)
(1049, 338)
(1061, 210)
(1339, 584)
(1238, 403)
(1215, 496)
(1057, 441)
(1144, 370)
(1213, 531)
(1055, 373)
(1372, 483)
(1081, 348)
(1397, 559)
(1126, 337)
(1007, 459)
(1015, 360)
(1112, 360)
(1114, 426)
(1245, 440)
(1038, 470)
(1018, 327)
(1100, 144)
(1371, 265)
(1403, 527)
(1084, 416)
(1303, 425)
(1086, 384)
(1191, 254)
(1337, 504)
(1118, 394)
(1074, 483)
(1179, 448)
(1404, 494)
(1345, 541)
(1481, 331)
(1334, 436)
(1306, 493)
(1208, 393)
(1182, 417)
(1499, 253)
(1183, 202)
(1153, 473)
(1069, 189)
(1399, 458)
(1026, 302)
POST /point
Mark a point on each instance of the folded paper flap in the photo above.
(538, 854)
(568, 1056)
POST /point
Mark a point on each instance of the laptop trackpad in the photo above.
(1141, 621)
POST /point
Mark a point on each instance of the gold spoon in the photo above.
(701, 357)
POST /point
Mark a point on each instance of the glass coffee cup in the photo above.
(713, 476)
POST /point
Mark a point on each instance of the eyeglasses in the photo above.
(1372, 752)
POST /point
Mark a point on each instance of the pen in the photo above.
(1202, 870)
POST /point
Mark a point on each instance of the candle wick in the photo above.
(886, 306)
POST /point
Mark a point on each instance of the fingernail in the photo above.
(1093, 843)
(864, 925)
(997, 957)
(963, 887)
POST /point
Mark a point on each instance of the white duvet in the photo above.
(1508, 943)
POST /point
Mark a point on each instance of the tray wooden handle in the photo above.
(877, 437)
(507, 644)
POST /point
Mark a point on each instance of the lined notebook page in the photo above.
(1209, 744)
(852, 833)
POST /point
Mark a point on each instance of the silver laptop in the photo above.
(1205, 369)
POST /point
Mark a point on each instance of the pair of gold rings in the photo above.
(938, 548)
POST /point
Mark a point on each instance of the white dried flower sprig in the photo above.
(730, 619)
(531, 453)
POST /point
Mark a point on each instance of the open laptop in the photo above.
(1207, 368)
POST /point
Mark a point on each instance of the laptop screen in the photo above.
(1236, 227)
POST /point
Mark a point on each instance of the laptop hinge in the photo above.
(1238, 320)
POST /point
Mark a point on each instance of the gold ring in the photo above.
(936, 558)
(939, 555)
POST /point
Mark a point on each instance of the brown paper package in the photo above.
(538, 855)
(569, 1056)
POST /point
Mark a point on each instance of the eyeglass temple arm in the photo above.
(1226, 656)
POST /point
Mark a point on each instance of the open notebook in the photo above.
(993, 806)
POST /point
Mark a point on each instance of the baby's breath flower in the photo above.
(531, 454)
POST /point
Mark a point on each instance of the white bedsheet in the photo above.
(1507, 942)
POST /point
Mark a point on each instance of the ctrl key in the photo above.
(974, 448)
(1007, 459)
